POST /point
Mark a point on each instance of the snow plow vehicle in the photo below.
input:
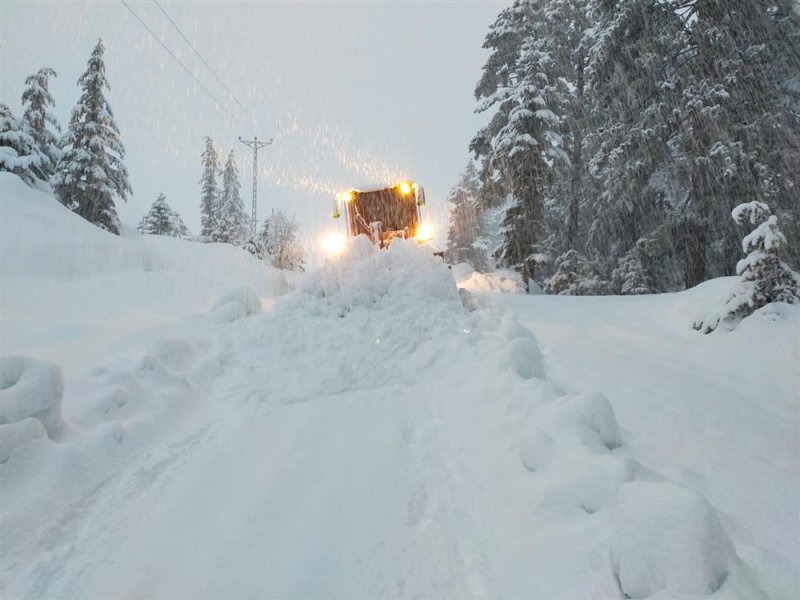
(384, 214)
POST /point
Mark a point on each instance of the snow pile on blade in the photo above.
(497, 281)
(406, 274)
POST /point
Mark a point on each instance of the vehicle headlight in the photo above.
(333, 243)
(424, 232)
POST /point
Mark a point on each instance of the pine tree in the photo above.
(764, 278)
(626, 130)
(19, 153)
(210, 193)
(178, 227)
(631, 275)
(159, 219)
(91, 173)
(38, 120)
(254, 246)
(280, 244)
(463, 236)
(574, 276)
(572, 39)
(633, 90)
(162, 220)
(737, 137)
(523, 141)
(262, 240)
(233, 227)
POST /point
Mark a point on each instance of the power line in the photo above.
(164, 46)
(186, 39)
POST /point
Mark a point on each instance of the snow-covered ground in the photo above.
(191, 425)
(719, 413)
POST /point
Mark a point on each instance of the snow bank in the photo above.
(31, 391)
(31, 388)
(14, 435)
(573, 445)
(521, 354)
(237, 304)
(497, 281)
(715, 415)
(96, 288)
(669, 540)
(178, 353)
(665, 540)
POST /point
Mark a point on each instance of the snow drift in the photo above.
(70, 287)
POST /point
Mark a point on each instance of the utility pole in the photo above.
(255, 145)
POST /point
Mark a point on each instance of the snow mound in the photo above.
(364, 276)
(538, 447)
(668, 540)
(497, 281)
(108, 435)
(573, 446)
(152, 371)
(586, 483)
(31, 388)
(591, 416)
(584, 420)
(521, 354)
(13, 435)
(240, 303)
(114, 399)
(177, 353)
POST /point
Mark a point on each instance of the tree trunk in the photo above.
(695, 254)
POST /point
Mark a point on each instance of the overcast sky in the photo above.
(350, 92)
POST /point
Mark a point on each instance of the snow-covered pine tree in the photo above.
(689, 107)
(764, 278)
(19, 153)
(158, 220)
(91, 173)
(633, 94)
(570, 35)
(631, 275)
(523, 141)
(463, 243)
(179, 228)
(253, 246)
(504, 39)
(210, 193)
(39, 120)
(233, 227)
(260, 243)
(575, 276)
(738, 137)
(281, 243)
(162, 220)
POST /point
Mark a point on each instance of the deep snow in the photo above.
(718, 413)
(358, 432)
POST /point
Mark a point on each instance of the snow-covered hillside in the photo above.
(196, 427)
(71, 291)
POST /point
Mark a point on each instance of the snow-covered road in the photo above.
(365, 435)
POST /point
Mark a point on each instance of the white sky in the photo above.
(351, 92)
